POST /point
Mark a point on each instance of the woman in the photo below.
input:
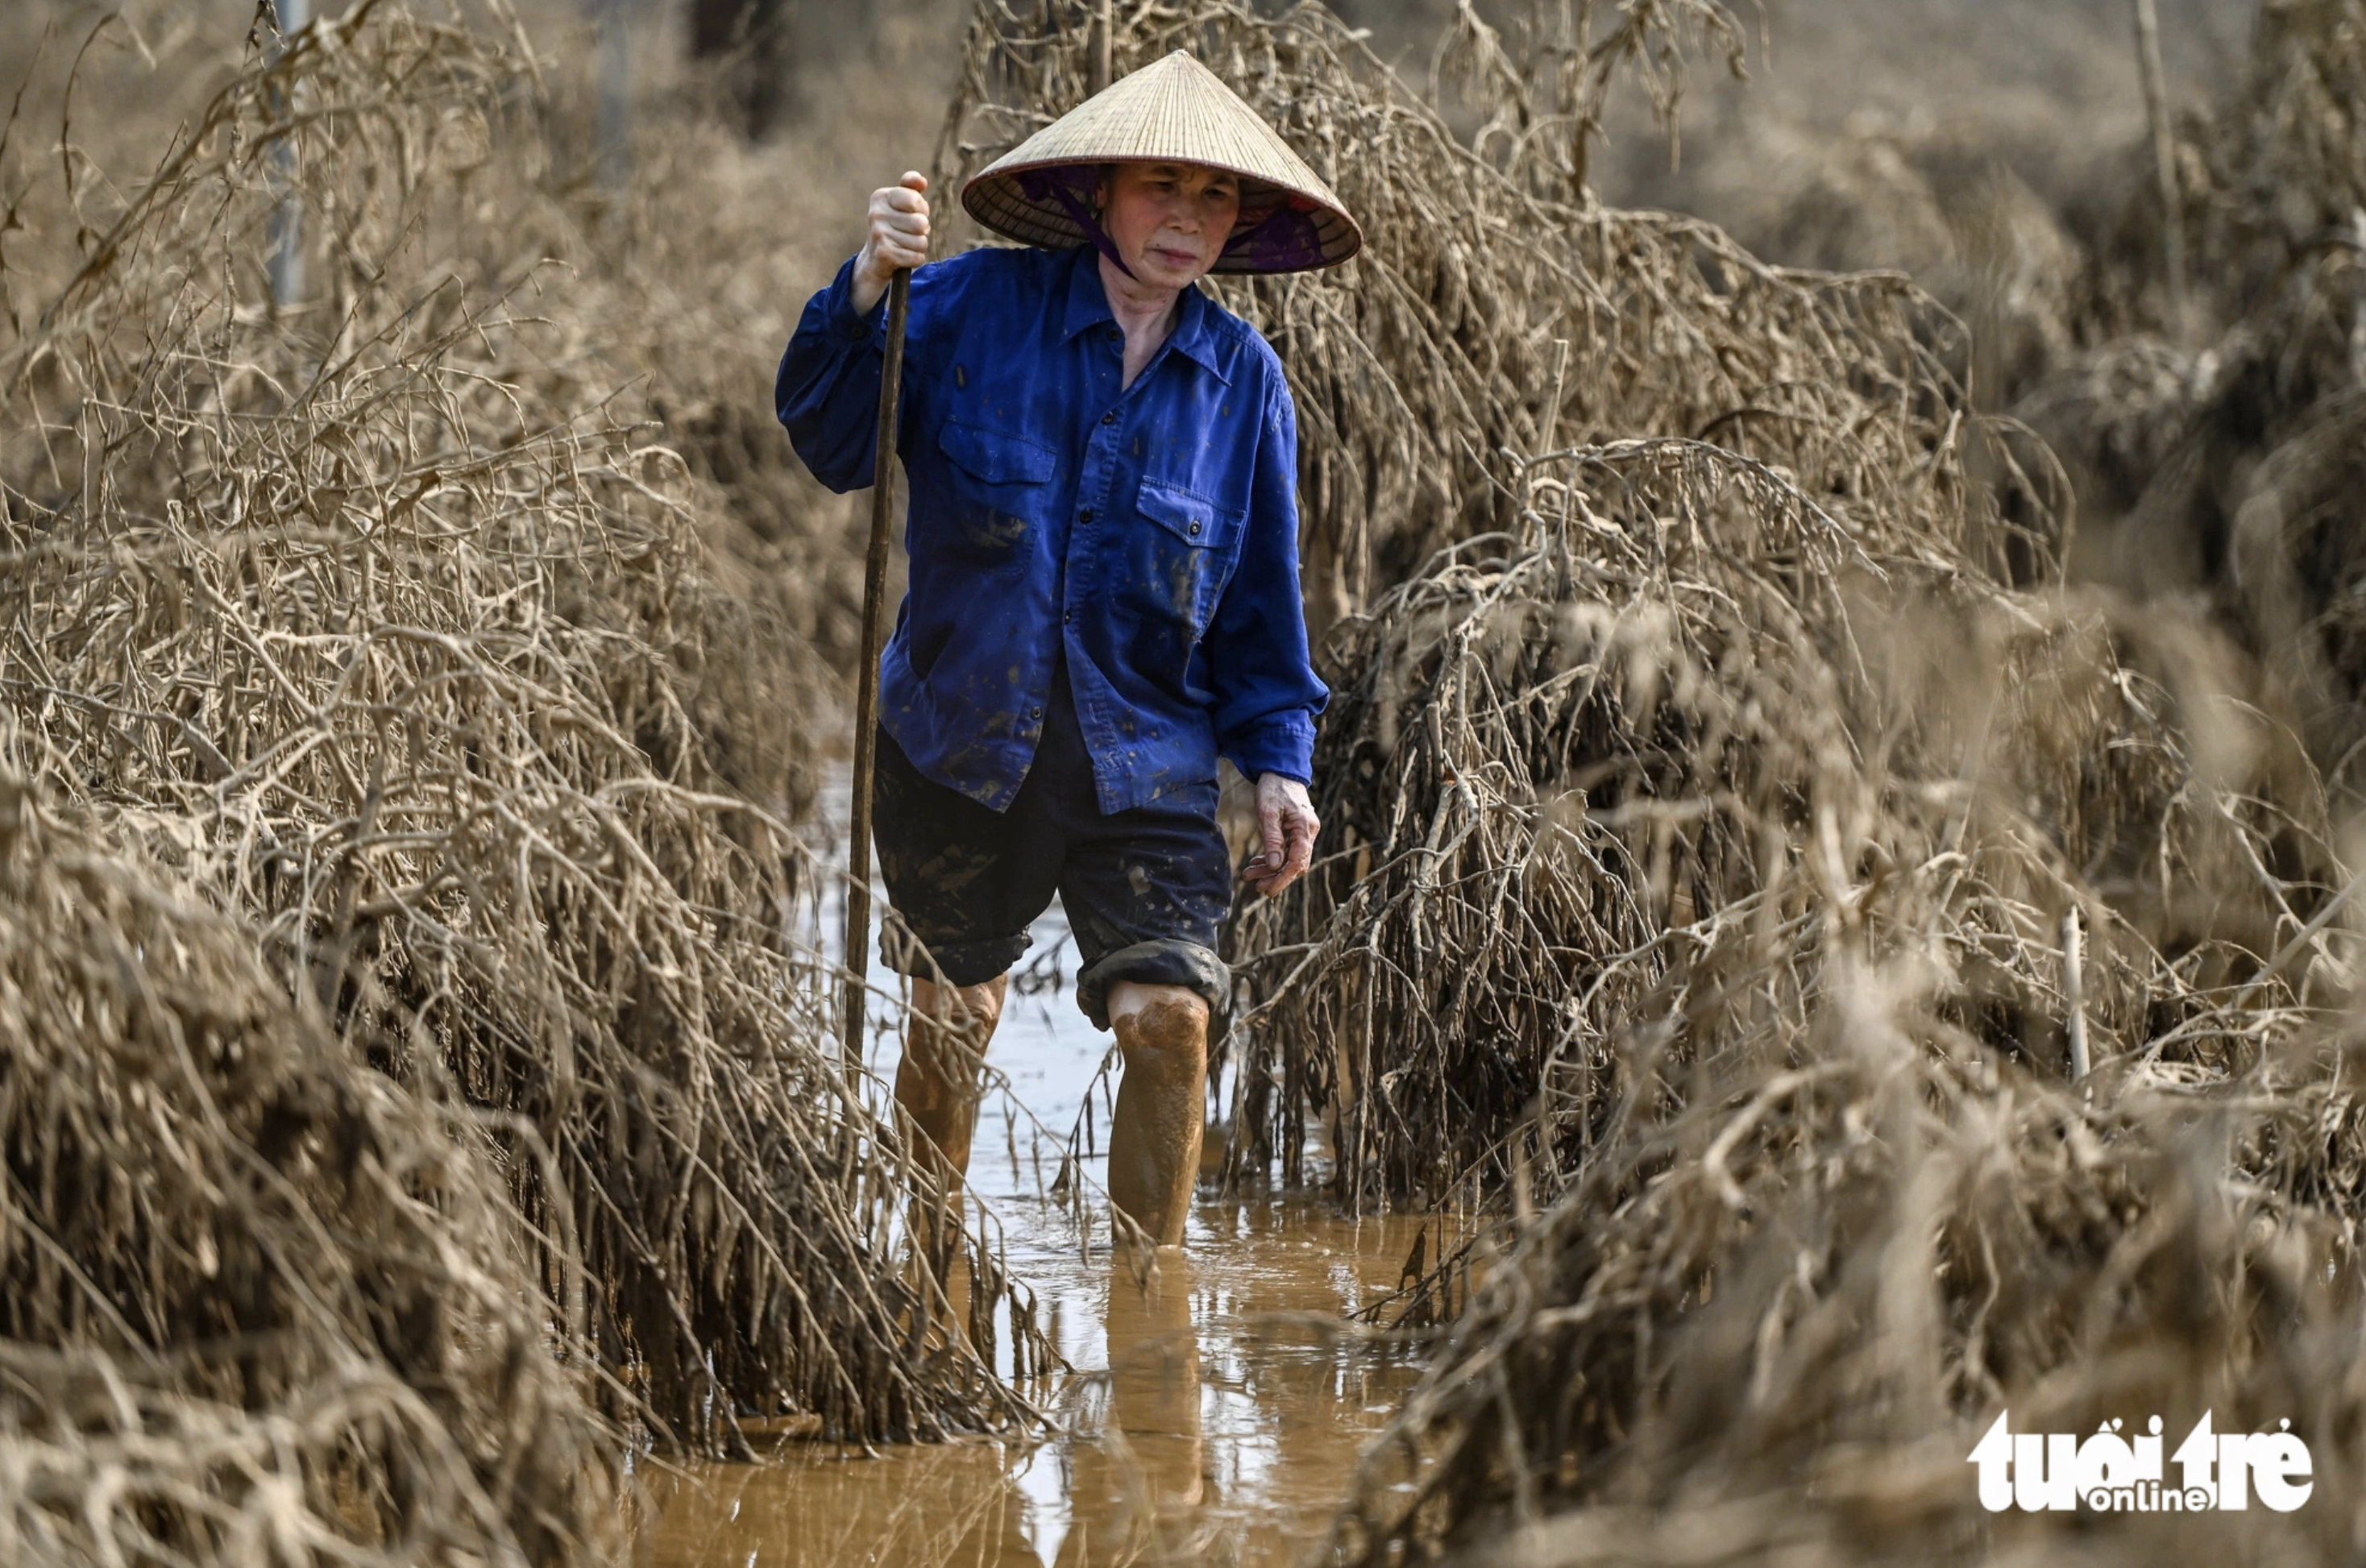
(1103, 596)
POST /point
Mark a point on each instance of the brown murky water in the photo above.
(1211, 1418)
(1206, 1424)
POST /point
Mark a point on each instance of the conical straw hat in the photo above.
(1176, 111)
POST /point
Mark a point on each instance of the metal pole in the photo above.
(284, 236)
(866, 687)
(2164, 157)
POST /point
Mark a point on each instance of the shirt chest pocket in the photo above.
(1188, 552)
(1000, 491)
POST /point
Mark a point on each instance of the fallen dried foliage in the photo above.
(1773, 1324)
(2219, 443)
(1725, 886)
(1682, 708)
(253, 1296)
(380, 624)
(1706, 889)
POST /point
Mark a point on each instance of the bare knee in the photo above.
(1168, 1024)
(971, 1010)
(951, 1026)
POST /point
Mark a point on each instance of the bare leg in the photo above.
(938, 1083)
(1161, 1112)
(940, 1080)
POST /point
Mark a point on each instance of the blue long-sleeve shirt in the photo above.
(1148, 535)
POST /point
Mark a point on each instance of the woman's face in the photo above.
(1169, 221)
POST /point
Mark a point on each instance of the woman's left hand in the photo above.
(1288, 820)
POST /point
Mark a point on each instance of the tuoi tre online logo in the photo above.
(2109, 1473)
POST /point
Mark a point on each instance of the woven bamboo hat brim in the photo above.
(1176, 111)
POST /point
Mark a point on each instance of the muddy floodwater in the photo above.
(1209, 1418)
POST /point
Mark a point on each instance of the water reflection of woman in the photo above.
(1140, 1479)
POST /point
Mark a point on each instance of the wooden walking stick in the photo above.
(866, 685)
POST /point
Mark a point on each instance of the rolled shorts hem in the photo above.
(1163, 960)
(949, 962)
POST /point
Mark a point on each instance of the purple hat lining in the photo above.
(1284, 240)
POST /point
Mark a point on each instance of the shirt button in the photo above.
(1067, 617)
(1083, 515)
(1034, 713)
(1195, 529)
(1110, 418)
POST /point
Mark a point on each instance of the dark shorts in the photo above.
(1145, 889)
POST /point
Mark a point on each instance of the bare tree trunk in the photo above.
(285, 234)
(2164, 152)
(1104, 27)
(751, 40)
(615, 155)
